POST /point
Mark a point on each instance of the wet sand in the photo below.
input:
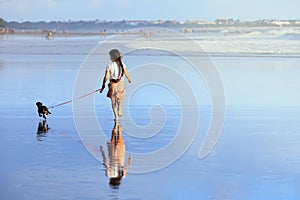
(256, 156)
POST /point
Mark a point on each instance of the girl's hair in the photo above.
(120, 64)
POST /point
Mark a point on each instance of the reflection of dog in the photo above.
(42, 110)
(43, 127)
(42, 130)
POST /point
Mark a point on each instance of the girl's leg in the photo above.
(120, 137)
(120, 101)
(114, 108)
(114, 136)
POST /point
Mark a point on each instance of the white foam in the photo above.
(253, 41)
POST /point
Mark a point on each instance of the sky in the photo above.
(180, 10)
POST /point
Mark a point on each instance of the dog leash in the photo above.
(66, 102)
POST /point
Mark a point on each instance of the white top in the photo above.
(114, 70)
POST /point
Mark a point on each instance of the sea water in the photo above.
(256, 156)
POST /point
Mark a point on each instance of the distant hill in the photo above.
(118, 26)
(88, 26)
(2, 23)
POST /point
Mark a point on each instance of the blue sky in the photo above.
(181, 10)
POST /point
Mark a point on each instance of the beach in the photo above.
(254, 157)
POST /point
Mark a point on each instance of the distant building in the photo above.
(136, 22)
(281, 23)
(220, 21)
(157, 22)
(226, 21)
(199, 22)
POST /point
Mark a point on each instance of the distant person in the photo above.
(104, 33)
(49, 35)
(116, 86)
(115, 167)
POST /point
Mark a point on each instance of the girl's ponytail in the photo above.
(120, 64)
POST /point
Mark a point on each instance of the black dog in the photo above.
(42, 110)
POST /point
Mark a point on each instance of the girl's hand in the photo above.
(101, 90)
(130, 81)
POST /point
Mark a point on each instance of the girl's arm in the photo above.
(127, 76)
(105, 78)
(103, 156)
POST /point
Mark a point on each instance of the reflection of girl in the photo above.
(116, 86)
(116, 168)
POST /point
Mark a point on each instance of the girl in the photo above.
(116, 86)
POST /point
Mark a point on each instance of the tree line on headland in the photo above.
(119, 26)
(2, 23)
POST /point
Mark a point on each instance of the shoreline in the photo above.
(187, 30)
